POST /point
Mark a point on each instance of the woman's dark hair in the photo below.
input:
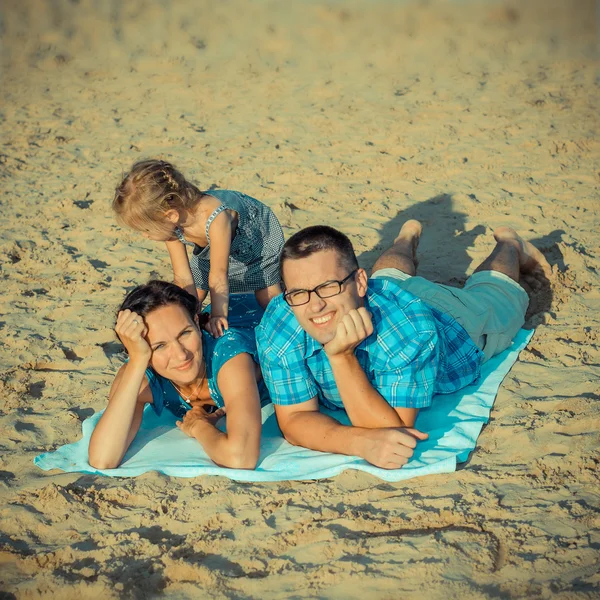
(316, 238)
(155, 294)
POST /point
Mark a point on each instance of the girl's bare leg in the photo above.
(264, 296)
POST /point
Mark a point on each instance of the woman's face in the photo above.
(176, 344)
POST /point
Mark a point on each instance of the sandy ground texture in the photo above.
(359, 114)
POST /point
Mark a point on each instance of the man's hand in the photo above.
(390, 448)
(198, 415)
(351, 331)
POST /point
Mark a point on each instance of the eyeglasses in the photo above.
(325, 290)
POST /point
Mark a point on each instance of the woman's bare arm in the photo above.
(121, 420)
(239, 448)
(129, 393)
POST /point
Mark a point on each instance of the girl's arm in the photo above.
(182, 273)
(129, 393)
(239, 448)
(220, 232)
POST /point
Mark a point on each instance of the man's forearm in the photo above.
(364, 405)
(385, 448)
(317, 431)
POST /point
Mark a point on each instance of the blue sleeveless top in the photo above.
(244, 315)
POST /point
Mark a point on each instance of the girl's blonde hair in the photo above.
(148, 191)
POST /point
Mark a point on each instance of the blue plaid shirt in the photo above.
(414, 352)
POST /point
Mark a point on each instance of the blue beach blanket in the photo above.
(453, 422)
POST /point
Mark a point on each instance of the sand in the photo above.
(359, 114)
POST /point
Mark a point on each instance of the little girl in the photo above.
(236, 239)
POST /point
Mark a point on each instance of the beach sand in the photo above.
(359, 114)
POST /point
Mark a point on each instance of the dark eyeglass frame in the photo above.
(341, 282)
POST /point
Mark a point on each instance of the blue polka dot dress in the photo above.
(255, 247)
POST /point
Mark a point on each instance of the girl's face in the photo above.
(160, 234)
(176, 344)
(156, 237)
(164, 229)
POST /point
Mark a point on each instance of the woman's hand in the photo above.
(216, 326)
(198, 415)
(131, 330)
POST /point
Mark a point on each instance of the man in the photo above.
(381, 347)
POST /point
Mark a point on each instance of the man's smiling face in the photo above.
(319, 317)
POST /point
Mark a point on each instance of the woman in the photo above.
(173, 364)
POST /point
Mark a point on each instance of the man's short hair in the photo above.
(313, 239)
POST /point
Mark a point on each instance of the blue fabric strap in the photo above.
(212, 217)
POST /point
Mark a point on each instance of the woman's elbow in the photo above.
(243, 463)
(242, 459)
(101, 462)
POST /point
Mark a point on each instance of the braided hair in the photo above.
(148, 191)
(168, 171)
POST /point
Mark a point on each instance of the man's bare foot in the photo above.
(403, 253)
(410, 234)
(530, 258)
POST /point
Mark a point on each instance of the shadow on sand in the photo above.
(443, 257)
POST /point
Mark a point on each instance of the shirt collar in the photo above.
(312, 346)
(372, 307)
(294, 332)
